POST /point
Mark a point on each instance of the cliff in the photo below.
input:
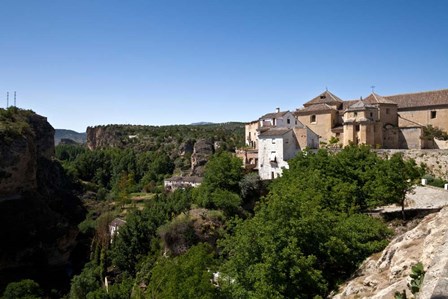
(388, 272)
(38, 212)
(25, 138)
(202, 151)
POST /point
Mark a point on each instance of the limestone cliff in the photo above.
(104, 136)
(38, 212)
(385, 273)
(202, 151)
(25, 138)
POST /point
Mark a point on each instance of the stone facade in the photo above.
(380, 121)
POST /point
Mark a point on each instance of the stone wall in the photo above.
(436, 161)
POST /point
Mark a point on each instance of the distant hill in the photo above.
(69, 134)
(202, 123)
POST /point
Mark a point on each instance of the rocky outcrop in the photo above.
(383, 274)
(104, 136)
(203, 150)
(38, 211)
(21, 149)
(186, 147)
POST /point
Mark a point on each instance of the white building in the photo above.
(279, 119)
(277, 145)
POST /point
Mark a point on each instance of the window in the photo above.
(273, 140)
(272, 175)
(296, 122)
(357, 128)
(433, 114)
(312, 118)
(272, 157)
(371, 114)
(273, 122)
(288, 121)
(355, 114)
(387, 110)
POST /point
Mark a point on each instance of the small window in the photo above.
(273, 140)
(433, 114)
(272, 175)
(288, 121)
(371, 114)
(387, 110)
(357, 128)
(355, 114)
(296, 122)
(312, 118)
(273, 122)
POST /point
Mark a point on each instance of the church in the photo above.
(383, 122)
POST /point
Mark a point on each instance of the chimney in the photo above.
(277, 110)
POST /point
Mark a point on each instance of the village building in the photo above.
(390, 122)
(381, 121)
(114, 227)
(272, 140)
(179, 182)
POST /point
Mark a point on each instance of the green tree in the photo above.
(396, 177)
(185, 276)
(223, 171)
(24, 289)
(307, 234)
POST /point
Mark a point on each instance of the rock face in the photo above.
(103, 136)
(383, 274)
(38, 212)
(203, 150)
(21, 152)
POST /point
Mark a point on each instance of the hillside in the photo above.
(69, 134)
(230, 135)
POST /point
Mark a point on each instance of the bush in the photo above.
(27, 289)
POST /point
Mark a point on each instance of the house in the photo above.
(274, 139)
(278, 145)
(114, 227)
(177, 182)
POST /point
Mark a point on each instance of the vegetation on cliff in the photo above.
(303, 238)
(38, 211)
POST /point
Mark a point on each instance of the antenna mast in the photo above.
(15, 94)
(7, 99)
(373, 88)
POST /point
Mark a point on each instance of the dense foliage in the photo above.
(308, 234)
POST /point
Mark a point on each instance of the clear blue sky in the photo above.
(91, 62)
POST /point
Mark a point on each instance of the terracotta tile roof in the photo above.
(274, 115)
(324, 98)
(274, 132)
(420, 99)
(374, 98)
(314, 108)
